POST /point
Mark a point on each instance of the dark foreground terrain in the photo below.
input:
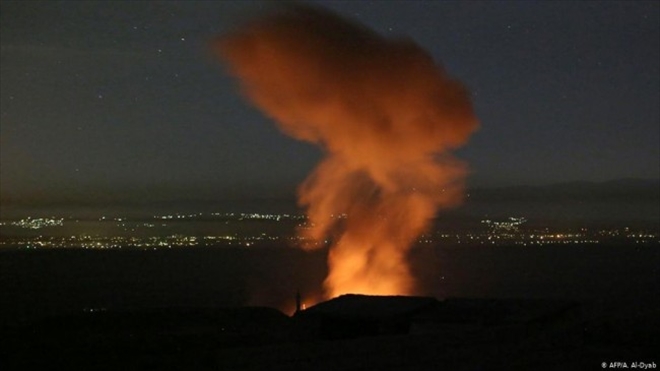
(212, 309)
(482, 335)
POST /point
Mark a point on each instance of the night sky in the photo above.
(125, 99)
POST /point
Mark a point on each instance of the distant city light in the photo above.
(145, 235)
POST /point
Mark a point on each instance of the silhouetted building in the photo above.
(351, 316)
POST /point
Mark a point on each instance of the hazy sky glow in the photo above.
(102, 99)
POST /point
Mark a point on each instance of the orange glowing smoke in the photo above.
(385, 114)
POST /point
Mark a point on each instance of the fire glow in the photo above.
(386, 116)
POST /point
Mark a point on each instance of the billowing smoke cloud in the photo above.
(386, 116)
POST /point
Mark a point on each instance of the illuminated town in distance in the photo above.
(252, 230)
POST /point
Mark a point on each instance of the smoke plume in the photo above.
(386, 116)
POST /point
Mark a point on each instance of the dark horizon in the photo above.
(635, 188)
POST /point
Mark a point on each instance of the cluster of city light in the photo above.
(91, 242)
(178, 216)
(36, 223)
(523, 239)
(236, 216)
(257, 216)
(183, 241)
(101, 242)
(510, 225)
(504, 233)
